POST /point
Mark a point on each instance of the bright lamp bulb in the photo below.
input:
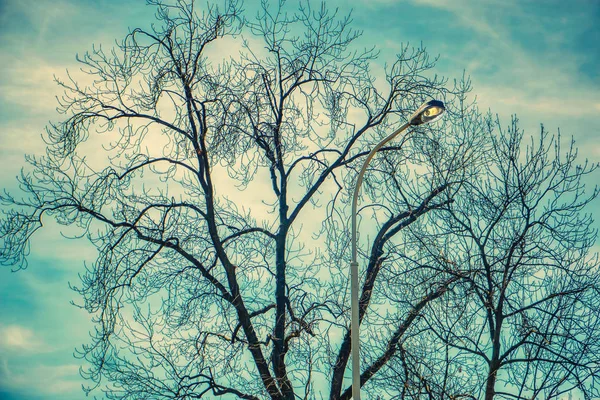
(428, 112)
(432, 112)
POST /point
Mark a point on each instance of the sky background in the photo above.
(537, 59)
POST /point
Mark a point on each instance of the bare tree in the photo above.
(220, 205)
(193, 293)
(524, 322)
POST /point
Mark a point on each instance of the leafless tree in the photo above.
(219, 209)
(524, 323)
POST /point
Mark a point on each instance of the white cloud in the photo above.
(19, 338)
(510, 75)
(29, 83)
(468, 13)
(516, 99)
(40, 379)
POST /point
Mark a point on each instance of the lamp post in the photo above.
(428, 112)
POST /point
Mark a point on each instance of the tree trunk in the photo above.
(491, 380)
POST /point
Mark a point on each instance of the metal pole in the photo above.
(355, 325)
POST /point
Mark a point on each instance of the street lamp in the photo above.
(428, 112)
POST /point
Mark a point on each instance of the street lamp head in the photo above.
(428, 112)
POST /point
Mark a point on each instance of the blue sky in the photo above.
(537, 59)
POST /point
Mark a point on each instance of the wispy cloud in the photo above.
(41, 379)
(20, 338)
(468, 12)
(524, 59)
(28, 83)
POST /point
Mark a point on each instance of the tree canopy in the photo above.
(219, 208)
